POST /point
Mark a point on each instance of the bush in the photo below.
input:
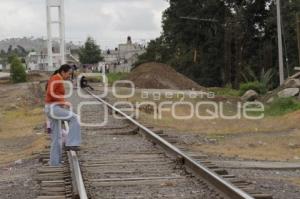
(94, 79)
(112, 77)
(281, 106)
(256, 86)
(226, 91)
(17, 71)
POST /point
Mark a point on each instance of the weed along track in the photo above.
(125, 159)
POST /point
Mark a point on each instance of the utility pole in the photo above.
(298, 34)
(280, 51)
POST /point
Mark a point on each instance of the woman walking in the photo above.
(58, 109)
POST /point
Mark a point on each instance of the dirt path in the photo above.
(233, 164)
(17, 180)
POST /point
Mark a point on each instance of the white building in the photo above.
(39, 61)
(122, 59)
(112, 57)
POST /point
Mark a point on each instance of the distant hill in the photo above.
(30, 43)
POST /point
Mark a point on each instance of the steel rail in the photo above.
(220, 183)
(77, 180)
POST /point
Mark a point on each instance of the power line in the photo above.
(199, 19)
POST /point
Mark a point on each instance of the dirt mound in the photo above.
(160, 76)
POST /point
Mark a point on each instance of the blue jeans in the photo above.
(56, 115)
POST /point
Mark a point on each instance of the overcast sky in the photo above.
(108, 21)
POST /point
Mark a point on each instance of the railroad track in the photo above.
(126, 159)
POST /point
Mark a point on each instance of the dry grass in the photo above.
(36, 146)
(295, 181)
(223, 127)
(18, 119)
(17, 132)
(259, 146)
(20, 122)
(271, 138)
(267, 139)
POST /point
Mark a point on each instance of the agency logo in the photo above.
(197, 104)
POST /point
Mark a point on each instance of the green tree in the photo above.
(241, 35)
(11, 58)
(156, 51)
(17, 70)
(192, 47)
(90, 53)
(11, 53)
(245, 24)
